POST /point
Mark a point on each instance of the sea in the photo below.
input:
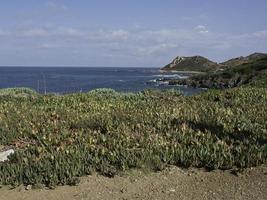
(64, 80)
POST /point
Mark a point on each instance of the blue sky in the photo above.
(128, 33)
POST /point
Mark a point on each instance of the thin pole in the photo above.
(44, 83)
(38, 86)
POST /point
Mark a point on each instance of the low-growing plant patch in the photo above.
(60, 138)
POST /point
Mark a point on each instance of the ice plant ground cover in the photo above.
(58, 138)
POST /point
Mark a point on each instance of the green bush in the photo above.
(60, 138)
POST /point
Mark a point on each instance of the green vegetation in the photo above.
(17, 92)
(252, 73)
(60, 138)
(193, 63)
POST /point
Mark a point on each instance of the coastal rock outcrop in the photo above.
(193, 63)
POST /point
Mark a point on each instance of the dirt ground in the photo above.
(172, 183)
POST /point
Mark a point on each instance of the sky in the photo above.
(128, 33)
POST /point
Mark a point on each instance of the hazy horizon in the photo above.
(125, 33)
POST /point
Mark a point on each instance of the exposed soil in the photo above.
(172, 183)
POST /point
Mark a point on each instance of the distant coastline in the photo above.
(180, 72)
(248, 70)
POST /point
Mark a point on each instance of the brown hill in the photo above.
(243, 60)
(194, 63)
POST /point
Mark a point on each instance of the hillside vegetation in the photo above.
(202, 64)
(60, 138)
(194, 63)
(244, 60)
(253, 72)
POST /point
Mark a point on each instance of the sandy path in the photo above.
(172, 183)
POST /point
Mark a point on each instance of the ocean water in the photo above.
(82, 79)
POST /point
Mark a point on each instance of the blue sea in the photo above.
(82, 79)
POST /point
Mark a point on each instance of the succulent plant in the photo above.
(60, 138)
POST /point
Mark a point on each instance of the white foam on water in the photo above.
(170, 76)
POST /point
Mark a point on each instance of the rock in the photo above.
(1, 147)
(38, 186)
(4, 155)
(172, 190)
(28, 187)
(236, 172)
(123, 190)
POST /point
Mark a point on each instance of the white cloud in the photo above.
(155, 49)
(164, 37)
(120, 34)
(142, 45)
(56, 7)
(107, 35)
(204, 31)
(68, 32)
(260, 34)
(49, 46)
(49, 32)
(201, 29)
(35, 32)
